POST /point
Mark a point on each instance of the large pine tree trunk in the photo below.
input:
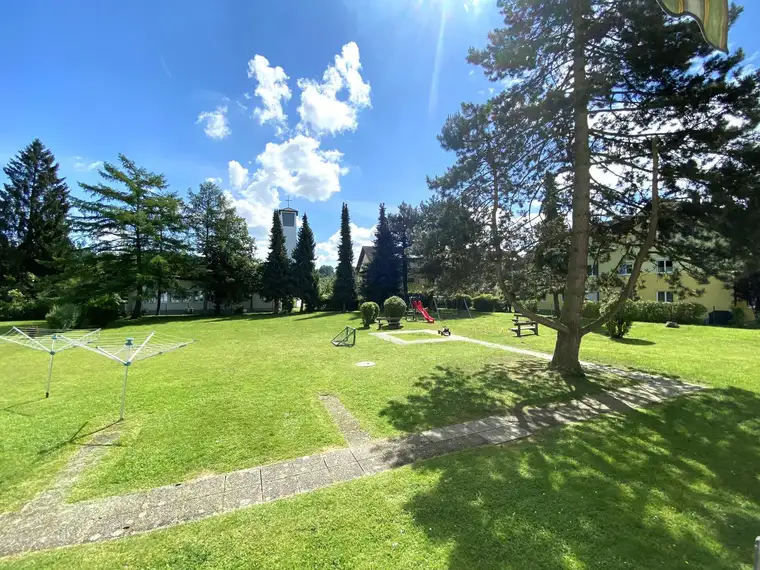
(158, 302)
(557, 307)
(137, 309)
(568, 344)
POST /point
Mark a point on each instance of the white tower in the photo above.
(288, 220)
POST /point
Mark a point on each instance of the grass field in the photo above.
(675, 486)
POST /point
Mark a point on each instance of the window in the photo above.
(626, 268)
(198, 296)
(664, 266)
(593, 270)
(664, 296)
(593, 296)
(288, 219)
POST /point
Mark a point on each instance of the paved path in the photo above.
(49, 522)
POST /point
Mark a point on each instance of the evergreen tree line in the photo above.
(133, 239)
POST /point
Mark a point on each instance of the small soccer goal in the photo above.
(50, 341)
(347, 337)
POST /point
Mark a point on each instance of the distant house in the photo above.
(654, 284)
(191, 298)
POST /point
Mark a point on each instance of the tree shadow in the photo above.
(450, 395)
(350, 315)
(658, 488)
(632, 341)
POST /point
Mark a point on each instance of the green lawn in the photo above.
(244, 395)
(671, 487)
(674, 486)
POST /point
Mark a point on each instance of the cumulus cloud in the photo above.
(297, 167)
(321, 111)
(327, 251)
(216, 126)
(237, 174)
(272, 88)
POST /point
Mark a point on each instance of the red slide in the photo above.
(417, 304)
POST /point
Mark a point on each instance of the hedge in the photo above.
(486, 303)
(653, 312)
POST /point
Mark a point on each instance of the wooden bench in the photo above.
(521, 325)
(384, 322)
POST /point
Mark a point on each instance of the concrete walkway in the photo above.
(44, 524)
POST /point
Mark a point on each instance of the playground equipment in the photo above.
(131, 349)
(347, 337)
(418, 308)
(51, 341)
(451, 308)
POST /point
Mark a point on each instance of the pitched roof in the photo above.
(365, 256)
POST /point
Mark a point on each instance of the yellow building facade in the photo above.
(653, 284)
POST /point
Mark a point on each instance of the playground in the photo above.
(251, 392)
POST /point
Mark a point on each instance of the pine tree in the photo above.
(34, 204)
(344, 288)
(167, 248)
(382, 277)
(276, 274)
(617, 86)
(551, 254)
(304, 278)
(123, 224)
(402, 226)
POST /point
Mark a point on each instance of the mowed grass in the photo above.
(245, 394)
(674, 486)
(716, 356)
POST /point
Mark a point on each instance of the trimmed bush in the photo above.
(591, 309)
(530, 304)
(620, 324)
(486, 303)
(459, 297)
(63, 316)
(102, 311)
(394, 307)
(682, 312)
(370, 311)
(737, 316)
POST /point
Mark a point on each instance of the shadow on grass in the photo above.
(12, 408)
(350, 315)
(668, 487)
(75, 438)
(449, 395)
(633, 341)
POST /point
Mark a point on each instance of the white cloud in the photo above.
(272, 88)
(321, 111)
(298, 166)
(214, 180)
(216, 127)
(82, 166)
(327, 251)
(237, 174)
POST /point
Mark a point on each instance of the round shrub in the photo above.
(103, 310)
(394, 307)
(621, 322)
(63, 316)
(591, 310)
(737, 316)
(370, 311)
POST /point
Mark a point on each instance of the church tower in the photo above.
(288, 218)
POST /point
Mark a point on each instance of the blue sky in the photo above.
(323, 101)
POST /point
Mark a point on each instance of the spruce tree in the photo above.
(225, 266)
(344, 289)
(276, 274)
(123, 224)
(304, 278)
(34, 205)
(382, 277)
